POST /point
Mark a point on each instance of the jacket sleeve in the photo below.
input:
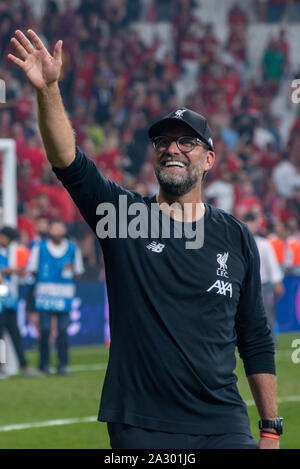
(254, 338)
(87, 186)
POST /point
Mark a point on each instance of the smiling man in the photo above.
(176, 314)
(181, 157)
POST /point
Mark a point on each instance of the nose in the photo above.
(173, 148)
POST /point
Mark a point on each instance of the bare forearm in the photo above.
(56, 130)
(264, 391)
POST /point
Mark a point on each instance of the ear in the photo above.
(209, 160)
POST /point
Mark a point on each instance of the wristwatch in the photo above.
(277, 424)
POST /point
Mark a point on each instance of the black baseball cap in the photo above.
(196, 121)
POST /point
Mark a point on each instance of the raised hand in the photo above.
(41, 68)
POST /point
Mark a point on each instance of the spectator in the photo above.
(5, 124)
(277, 238)
(237, 16)
(25, 104)
(222, 190)
(271, 274)
(56, 263)
(283, 175)
(35, 155)
(293, 246)
(189, 47)
(246, 201)
(273, 62)
(41, 232)
(260, 8)
(25, 182)
(12, 265)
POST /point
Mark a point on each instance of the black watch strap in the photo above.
(276, 424)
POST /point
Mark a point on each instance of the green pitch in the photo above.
(52, 401)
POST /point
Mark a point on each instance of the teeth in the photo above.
(174, 163)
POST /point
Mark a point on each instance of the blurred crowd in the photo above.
(114, 85)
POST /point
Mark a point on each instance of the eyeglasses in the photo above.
(184, 144)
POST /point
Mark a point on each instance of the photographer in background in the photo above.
(13, 258)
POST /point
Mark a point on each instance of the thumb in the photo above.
(57, 52)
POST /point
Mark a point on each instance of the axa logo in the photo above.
(222, 261)
(222, 288)
(179, 113)
(155, 247)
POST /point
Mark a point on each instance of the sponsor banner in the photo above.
(87, 321)
(288, 307)
(89, 313)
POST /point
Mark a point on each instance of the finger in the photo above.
(16, 61)
(57, 50)
(36, 40)
(24, 41)
(20, 49)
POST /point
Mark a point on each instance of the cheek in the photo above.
(157, 158)
(196, 159)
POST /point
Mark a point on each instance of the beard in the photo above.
(56, 239)
(178, 184)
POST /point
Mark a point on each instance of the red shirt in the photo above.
(230, 84)
(237, 17)
(24, 109)
(26, 190)
(84, 76)
(108, 159)
(248, 203)
(20, 146)
(37, 158)
(60, 199)
(26, 225)
(269, 160)
(189, 48)
(209, 46)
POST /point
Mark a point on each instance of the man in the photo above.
(56, 262)
(277, 236)
(41, 229)
(176, 314)
(12, 263)
(270, 271)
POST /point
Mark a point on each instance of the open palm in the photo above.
(40, 68)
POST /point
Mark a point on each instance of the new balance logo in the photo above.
(222, 287)
(155, 247)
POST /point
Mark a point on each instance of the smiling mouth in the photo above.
(173, 164)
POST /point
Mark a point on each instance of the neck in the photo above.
(188, 207)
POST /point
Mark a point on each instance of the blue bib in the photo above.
(55, 287)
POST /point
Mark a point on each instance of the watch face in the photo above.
(276, 424)
(279, 427)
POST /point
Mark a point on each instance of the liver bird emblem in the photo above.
(222, 259)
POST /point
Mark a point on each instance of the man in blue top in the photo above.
(56, 263)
